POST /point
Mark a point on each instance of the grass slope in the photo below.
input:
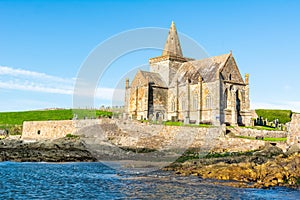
(17, 118)
(283, 116)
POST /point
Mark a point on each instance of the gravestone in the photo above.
(186, 120)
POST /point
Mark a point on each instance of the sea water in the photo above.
(97, 181)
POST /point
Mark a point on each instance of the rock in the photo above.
(60, 150)
(264, 169)
(295, 148)
(269, 151)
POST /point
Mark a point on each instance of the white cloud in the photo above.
(33, 87)
(8, 71)
(24, 80)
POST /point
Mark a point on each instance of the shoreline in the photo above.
(264, 168)
(59, 150)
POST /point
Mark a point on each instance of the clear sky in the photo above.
(43, 44)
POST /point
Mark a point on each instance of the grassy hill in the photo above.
(283, 116)
(17, 118)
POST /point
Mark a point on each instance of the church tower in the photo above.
(168, 63)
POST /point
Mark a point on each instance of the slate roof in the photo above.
(206, 68)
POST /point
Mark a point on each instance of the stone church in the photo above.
(177, 88)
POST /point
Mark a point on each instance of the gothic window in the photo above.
(230, 77)
(183, 105)
(226, 99)
(195, 101)
(208, 102)
(173, 106)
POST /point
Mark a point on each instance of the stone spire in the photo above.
(172, 46)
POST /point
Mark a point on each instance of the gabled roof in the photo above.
(142, 78)
(207, 68)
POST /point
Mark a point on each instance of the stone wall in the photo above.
(143, 135)
(133, 134)
(254, 132)
(53, 129)
(294, 130)
(162, 68)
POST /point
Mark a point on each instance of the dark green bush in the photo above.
(69, 135)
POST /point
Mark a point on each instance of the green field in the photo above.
(8, 119)
(283, 116)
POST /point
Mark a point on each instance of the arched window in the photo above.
(183, 105)
(173, 106)
(230, 77)
(208, 102)
(195, 101)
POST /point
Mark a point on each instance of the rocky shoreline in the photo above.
(59, 150)
(264, 168)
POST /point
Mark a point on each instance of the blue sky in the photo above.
(43, 45)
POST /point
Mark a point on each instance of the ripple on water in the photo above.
(97, 181)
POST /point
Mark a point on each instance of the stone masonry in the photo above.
(294, 130)
(133, 134)
(53, 129)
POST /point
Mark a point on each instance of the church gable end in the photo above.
(139, 80)
(230, 71)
